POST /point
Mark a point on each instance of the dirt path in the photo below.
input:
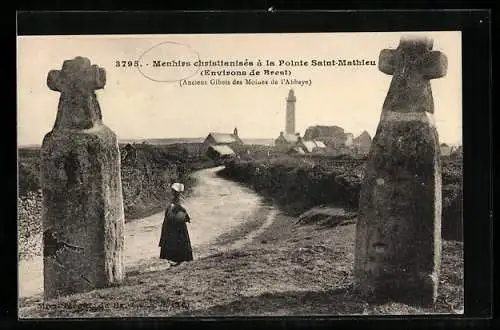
(216, 206)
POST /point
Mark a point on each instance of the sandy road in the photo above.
(215, 205)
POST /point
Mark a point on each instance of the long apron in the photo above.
(174, 240)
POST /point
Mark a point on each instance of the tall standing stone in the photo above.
(398, 233)
(83, 216)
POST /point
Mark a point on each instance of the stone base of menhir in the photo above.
(83, 217)
(398, 233)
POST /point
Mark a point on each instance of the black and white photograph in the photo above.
(242, 174)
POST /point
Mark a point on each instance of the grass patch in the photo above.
(299, 270)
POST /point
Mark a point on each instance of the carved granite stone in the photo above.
(83, 217)
(398, 233)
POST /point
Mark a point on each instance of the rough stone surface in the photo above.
(83, 217)
(398, 232)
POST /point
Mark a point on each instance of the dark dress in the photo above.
(174, 240)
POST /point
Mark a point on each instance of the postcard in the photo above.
(273, 174)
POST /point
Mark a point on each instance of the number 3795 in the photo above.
(126, 64)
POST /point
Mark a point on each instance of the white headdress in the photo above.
(179, 187)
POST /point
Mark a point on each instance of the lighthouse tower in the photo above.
(290, 113)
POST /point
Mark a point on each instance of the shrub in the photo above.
(28, 179)
(145, 177)
(299, 183)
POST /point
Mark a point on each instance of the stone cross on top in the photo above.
(412, 65)
(78, 105)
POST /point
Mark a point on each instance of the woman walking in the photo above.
(174, 240)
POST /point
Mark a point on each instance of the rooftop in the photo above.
(223, 150)
(224, 137)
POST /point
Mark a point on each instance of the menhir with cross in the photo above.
(81, 187)
(398, 231)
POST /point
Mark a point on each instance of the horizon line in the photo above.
(456, 143)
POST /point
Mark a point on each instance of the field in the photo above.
(290, 269)
(301, 264)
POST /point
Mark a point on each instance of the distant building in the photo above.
(295, 144)
(362, 143)
(220, 152)
(308, 146)
(316, 139)
(322, 130)
(214, 139)
(320, 144)
(289, 137)
(311, 145)
(333, 136)
(285, 141)
(290, 112)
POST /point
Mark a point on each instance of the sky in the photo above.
(140, 103)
